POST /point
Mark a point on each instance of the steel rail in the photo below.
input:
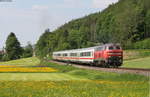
(139, 71)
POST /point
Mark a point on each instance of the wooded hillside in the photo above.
(126, 22)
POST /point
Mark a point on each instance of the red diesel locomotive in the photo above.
(108, 55)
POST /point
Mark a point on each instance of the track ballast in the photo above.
(139, 71)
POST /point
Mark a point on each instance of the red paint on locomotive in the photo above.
(110, 55)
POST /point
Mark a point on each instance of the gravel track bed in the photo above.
(145, 72)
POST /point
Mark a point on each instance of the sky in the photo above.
(29, 18)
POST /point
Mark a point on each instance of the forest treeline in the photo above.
(13, 49)
(126, 22)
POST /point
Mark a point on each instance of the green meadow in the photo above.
(69, 81)
(137, 59)
(23, 62)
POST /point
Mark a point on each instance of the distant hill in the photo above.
(126, 22)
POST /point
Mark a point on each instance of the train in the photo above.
(107, 55)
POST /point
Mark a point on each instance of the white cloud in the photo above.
(102, 3)
(24, 23)
(74, 3)
(40, 7)
(28, 24)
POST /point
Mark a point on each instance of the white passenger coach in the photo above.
(85, 55)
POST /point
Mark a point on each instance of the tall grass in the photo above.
(95, 88)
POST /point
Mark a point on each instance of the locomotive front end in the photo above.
(114, 55)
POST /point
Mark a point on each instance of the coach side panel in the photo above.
(86, 56)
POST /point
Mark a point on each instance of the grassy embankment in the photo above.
(70, 82)
(23, 62)
(137, 59)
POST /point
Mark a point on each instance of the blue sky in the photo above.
(29, 18)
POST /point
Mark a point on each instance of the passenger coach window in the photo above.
(85, 54)
(88, 53)
(58, 54)
(65, 54)
(81, 54)
(73, 54)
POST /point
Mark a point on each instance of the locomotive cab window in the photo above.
(110, 47)
(118, 47)
(114, 48)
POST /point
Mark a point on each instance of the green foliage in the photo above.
(145, 44)
(45, 44)
(1, 56)
(126, 22)
(13, 48)
(136, 53)
(28, 51)
(5, 57)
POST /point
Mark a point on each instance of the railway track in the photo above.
(139, 69)
(145, 72)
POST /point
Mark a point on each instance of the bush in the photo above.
(5, 58)
(1, 56)
(145, 44)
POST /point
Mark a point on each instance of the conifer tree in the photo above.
(13, 48)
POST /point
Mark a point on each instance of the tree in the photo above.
(1, 56)
(42, 46)
(2, 53)
(13, 48)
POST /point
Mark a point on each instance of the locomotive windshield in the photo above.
(118, 47)
(114, 48)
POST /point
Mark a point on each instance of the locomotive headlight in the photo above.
(112, 53)
(109, 56)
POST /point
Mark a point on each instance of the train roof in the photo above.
(89, 48)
